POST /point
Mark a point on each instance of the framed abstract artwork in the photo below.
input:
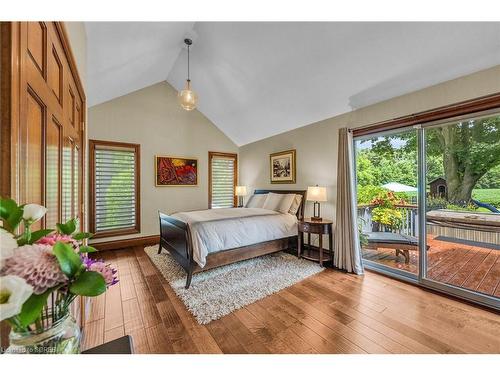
(282, 166)
(173, 171)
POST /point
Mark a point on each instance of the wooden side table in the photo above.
(311, 252)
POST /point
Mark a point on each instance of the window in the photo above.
(114, 188)
(222, 179)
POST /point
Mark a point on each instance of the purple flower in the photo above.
(98, 265)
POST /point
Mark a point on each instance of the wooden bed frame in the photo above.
(175, 237)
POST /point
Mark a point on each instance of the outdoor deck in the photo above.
(472, 267)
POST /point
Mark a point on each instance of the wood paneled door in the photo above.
(43, 117)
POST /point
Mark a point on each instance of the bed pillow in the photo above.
(273, 201)
(294, 208)
(286, 203)
(256, 201)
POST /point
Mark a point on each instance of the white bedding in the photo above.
(227, 228)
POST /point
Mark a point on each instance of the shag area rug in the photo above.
(220, 291)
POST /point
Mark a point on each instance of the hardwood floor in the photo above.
(331, 312)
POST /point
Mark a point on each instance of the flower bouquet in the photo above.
(41, 273)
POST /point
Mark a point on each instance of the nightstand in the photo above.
(310, 252)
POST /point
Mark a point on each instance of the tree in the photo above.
(491, 180)
(366, 174)
(468, 150)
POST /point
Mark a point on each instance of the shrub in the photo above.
(458, 207)
(368, 192)
(388, 199)
(386, 212)
(390, 217)
(436, 203)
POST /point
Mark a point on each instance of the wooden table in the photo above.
(319, 227)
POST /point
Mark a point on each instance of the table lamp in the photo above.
(316, 194)
(240, 192)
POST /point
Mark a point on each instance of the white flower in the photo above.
(14, 291)
(33, 212)
(7, 245)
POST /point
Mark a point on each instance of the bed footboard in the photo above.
(176, 239)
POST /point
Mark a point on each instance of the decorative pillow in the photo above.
(256, 201)
(273, 201)
(286, 203)
(295, 204)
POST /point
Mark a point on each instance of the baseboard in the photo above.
(129, 242)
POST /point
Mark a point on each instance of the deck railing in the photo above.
(409, 226)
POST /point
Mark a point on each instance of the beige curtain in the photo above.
(347, 255)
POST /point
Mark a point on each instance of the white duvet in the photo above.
(227, 228)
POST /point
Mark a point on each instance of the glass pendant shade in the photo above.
(188, 98)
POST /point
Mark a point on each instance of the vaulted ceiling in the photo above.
(258, 79)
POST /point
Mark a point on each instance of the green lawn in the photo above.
(491, 196)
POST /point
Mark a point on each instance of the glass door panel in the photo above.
(462, 209)
(386, 181)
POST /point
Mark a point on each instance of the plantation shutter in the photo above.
(115, 188)
(223, 181)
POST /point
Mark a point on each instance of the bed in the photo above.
(202, 240)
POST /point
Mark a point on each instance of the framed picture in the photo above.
(282, 165)
(173, 171)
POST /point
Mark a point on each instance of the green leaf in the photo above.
(10, 213)
(87, 249)
(24, 238)
(89, 284)
(69, 261)
(35, 236)
(32, 308)
(28, 237)
(68, 228)
(82, 235)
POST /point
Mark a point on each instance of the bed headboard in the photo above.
(300, 211)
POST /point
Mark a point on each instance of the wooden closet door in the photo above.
(47, 130)
(53, 175)
(42, 112)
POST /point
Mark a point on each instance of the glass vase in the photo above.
(61, 337)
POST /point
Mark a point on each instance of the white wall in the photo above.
(153, 118)
(316, 144)
(78, 41)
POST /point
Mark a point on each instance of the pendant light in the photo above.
(187, 97)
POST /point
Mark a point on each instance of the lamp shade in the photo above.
(188, 98)
(240, 191)
(316, 193)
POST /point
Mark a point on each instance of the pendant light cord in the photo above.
(188, 63)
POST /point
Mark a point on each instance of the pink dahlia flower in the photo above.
(104, 269)
(51, 240)
(37, 265)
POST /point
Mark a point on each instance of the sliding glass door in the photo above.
(462, 209)
(429, 205)
(387, 179)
